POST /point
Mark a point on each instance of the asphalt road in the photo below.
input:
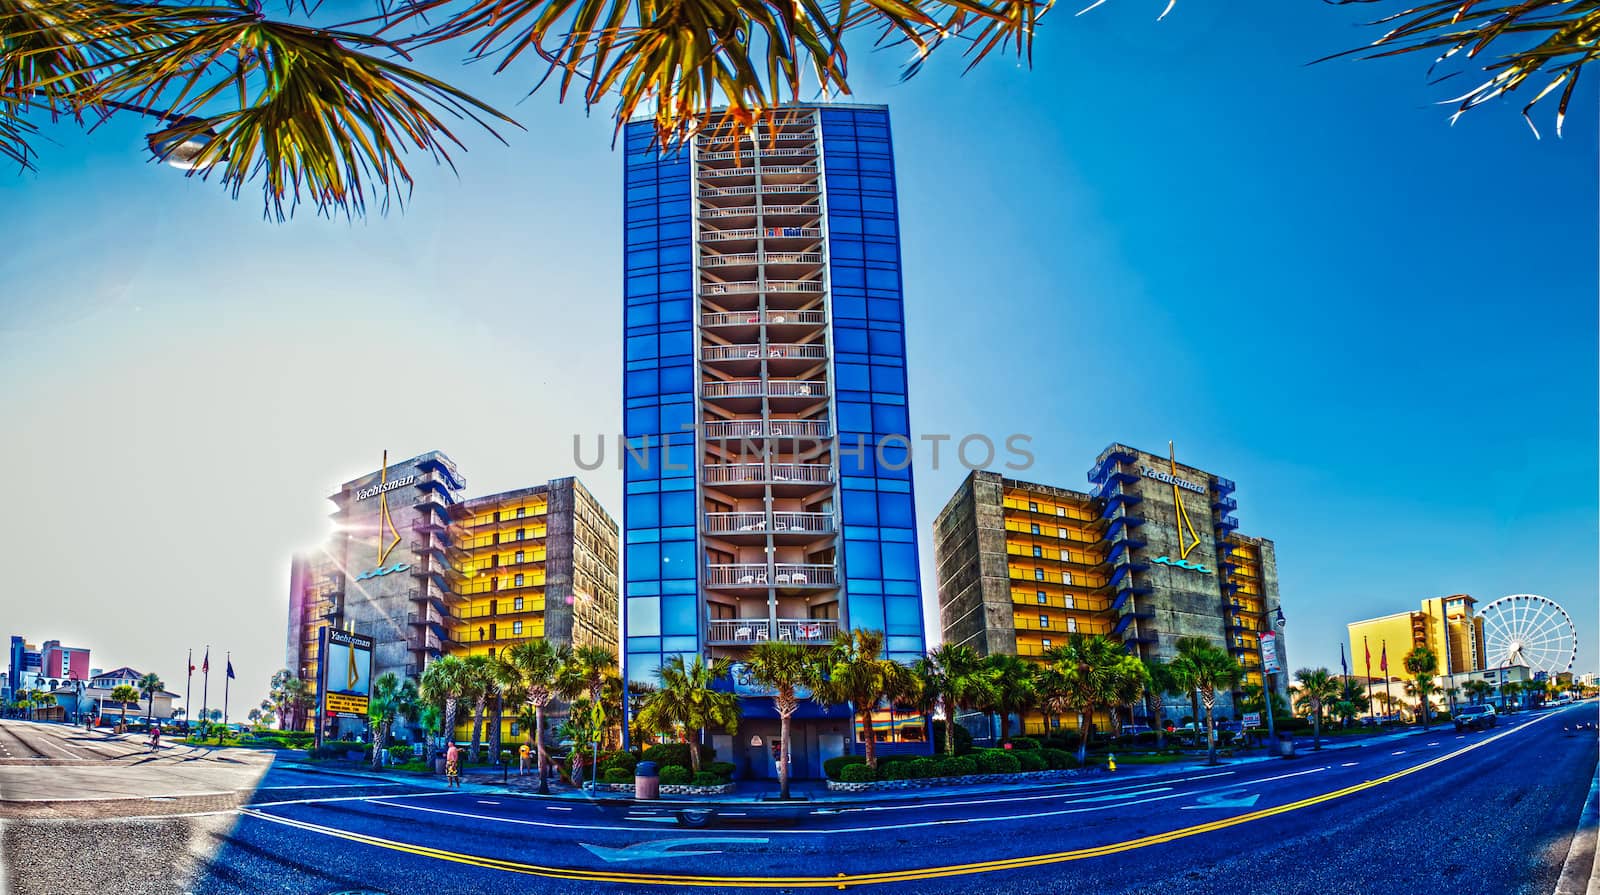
(1488, 813)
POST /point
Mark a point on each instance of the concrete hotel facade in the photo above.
(426, 572)
(1147, 556)
(764, 365)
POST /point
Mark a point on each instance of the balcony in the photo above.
(756, 318)
(748, 233)
(787, 170)
(752, 430)
(427, 566)
(810, 351)
(749, 631)
(793, 258)
(774, 473)
(433, 595)
(724, 191)
(778, 523)
(757, 388)
(428, 619)
(709, 172)
(780, 575)
(445, 466)
(789, 211)
(424, 641)
(1224, 503)
(737, 523)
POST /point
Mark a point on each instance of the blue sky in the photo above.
(1381, 326)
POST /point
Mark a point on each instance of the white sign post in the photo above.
(1270, 663)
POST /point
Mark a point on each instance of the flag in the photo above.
(1368, 650)
(191, 666)
(1342, 666)
(230, 668)
(205, 664)
(1383, 657)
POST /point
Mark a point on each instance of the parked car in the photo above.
(1475, 717)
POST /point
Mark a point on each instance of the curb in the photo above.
(1580, 873)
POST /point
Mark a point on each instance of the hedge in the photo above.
(1030, 760)
(895, 770)
(706, 778)
(1028, 743)
(723, 769)
(664, 754)
(834, 765)
(857, 773)
(959, 766)
(623, 761)
(923, 768)
(998, 761)
(1058, 759)
(963, 738)
(674, 775)
(616, 775)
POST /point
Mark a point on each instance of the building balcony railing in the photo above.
(729, 260)
(426, 567)
(738, 430)
(711, 171)
(777, 575)
(726, 235)
(529, 607)
(777, 522)
(425, 641)
(811, 351)
(741, 631)
(788, 169)
(794, 258)
(757, 388)
(715, 191)
(772, 287)
(429, 618)
(433, 594)
(757, 319)
(761, 473)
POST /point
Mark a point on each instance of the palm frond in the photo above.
(1532, 37)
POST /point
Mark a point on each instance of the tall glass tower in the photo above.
(768, 474)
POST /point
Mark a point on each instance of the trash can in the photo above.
(1285, 745)
(646, 781)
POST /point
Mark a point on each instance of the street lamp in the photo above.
(179, 151)
(1266, 681)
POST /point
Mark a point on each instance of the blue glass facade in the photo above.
(763, 297)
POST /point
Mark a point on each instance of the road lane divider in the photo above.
(846, 880)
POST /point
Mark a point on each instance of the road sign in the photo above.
(1252, 719)
(1270, 663)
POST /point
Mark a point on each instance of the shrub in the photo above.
(723, 769)
(664, 754)
(834, 765)
(1057, 759)
(505, 756)
(616, 775)
(923, 768)
(706, 778)
(400, 753)
(674, 775)
(963, 738)
(1025, 743)
(856, 773)
(624, 761)
(896, 770)
(997, 761)
(1030, 760)
(958, 766)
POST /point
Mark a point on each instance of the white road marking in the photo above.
(1129, 786)
(1348, 764)
(664, 848)
(328, 786)
(1115, 796)
(558, 808)
(1401, 752)
(325, 799)
(487, 802)
(1433, 744)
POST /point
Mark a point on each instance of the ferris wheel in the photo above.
(1527, 629)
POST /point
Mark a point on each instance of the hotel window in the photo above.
(1033, 528)
(1061, 532)
(494, 560)
(516, 628)
(1072, 624)
(522, 511)
(1065, 556)
(1042, 598)
(518, 557)
(1068, 602)
(1038, 574)
(516, 605)
(1033, 507)
(1066, 577)
(1044, 621)
(1061, 511)
(1038, 551)
(1044, 642)
(517, 580)
(497, 515)
(521, 533)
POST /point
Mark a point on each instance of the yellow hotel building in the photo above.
(1447, 625)
(426, 572)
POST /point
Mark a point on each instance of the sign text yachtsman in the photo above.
(1170, 479)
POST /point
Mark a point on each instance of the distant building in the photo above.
(94, 698)
(1445, 625)
(30, 667)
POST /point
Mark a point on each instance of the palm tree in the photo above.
(687, 701)
(442, 683)
(476, 685)
(955, 676)
(1352, 699)
(1422, 664)
(505, 686)
(149, 686)
(1188, 671)
(254, 717)
(1012, 688)
(1478, 690)
(1214, 670)
(1162, 682)
(1130, 686)
(547, 675)
(289, 695)
(1508, 694)
(1085, 674)
(391, 699)
(594, 666)
(855, 672)
(785, 668)
(125, 694)
(1317, 688)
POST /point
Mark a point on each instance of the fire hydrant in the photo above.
(1111, 762)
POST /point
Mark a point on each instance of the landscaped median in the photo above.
(1023, 763)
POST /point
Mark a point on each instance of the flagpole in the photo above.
(227, 664)
(1371, 709)
(188, 690)
(205, 683)
(1388, 697)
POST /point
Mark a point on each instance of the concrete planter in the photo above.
(968, 780)
(675, 789)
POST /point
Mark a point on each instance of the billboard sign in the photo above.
(345, 677)
(1252, 720)
(1270, 662)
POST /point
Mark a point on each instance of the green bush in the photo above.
(959, 766)
(674, 775)
(723, 769)
(857, 773)
(400, 753)
(997, 761)
(923, 768)
(616, 775)
(1057, 759)
(833, 766)
(706, 778)
(1026, 743)
(896, 770)
(963, 738)
(1030, 760)
(664, 754)
(623, 761)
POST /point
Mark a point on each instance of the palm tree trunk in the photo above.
(783, 757)
(694, 749)
(477, 726)
(949, 729)
(450, 719)
(1316, 728)
(496, 719)
(870, 747)
(538, 747)
(1083, 736)
(1194, 701)
(380, 739)
(1211, 731)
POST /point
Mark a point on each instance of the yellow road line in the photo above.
(843, 880)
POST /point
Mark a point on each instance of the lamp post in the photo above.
(1266, 681)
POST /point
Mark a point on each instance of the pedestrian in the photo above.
(155, 737)
(524, 753)
(452, 766)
